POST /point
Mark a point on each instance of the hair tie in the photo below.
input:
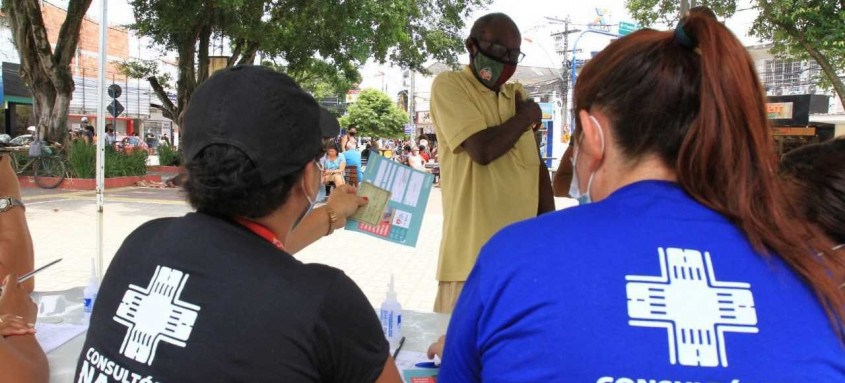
(681, 37)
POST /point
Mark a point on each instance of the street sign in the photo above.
(115, 91)
(410, 129)
(115, 108)
(626, 28)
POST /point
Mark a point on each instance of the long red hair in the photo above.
(693, 98)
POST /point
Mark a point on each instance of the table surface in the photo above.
(420, 330)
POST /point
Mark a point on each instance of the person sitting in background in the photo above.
(690, 234)
(818, 171)
(415, 160)
(334, 165)
(352, 156)
(21, 357)
(423, 154)
(231, 304)
(353, 163)
(365, 154)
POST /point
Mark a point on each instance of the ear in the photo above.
(311, 176)
(470, 46)
(592, 144)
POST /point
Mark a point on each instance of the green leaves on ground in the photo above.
(375, 115)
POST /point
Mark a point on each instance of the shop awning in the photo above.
(14, 89)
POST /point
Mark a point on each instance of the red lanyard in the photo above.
(262, 231)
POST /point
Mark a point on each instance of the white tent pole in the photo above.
(101, 133)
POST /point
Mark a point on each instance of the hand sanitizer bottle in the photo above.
(391, 317)
(89, 295)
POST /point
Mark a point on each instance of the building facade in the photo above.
(135, 96)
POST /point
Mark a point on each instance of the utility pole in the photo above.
(412, 100)
(566, 66)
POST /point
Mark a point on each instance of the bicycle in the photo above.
(49, 168)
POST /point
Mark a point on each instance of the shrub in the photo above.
(82, 161)
(120, 164)
(167, 156)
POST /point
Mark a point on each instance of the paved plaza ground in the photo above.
(64, 224)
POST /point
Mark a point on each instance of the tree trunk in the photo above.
(47, 73)
(168, 109)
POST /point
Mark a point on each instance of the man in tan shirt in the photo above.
(492, 172)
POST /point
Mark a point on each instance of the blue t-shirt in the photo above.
(333, 164)
(647, 285)
(353, 158)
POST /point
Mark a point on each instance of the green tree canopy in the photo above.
(320, 78)
(798, 29)
(344, 34)
(375, 115)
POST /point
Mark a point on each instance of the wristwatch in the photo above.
(6, 203)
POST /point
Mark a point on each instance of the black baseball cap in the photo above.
(263, 113)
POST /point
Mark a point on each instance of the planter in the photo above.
(165, 169)
(91, 183)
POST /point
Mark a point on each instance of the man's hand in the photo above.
(15, 301)
(345, 202)
(528, 109)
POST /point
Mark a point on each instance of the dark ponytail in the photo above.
(693, 97)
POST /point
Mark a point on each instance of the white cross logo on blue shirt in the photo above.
(694, 308)
(154, 314)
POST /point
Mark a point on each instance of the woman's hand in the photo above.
(345, 202)
(436, 348)
(15, 325)
(16, 301)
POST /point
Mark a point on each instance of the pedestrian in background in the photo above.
(350, 136)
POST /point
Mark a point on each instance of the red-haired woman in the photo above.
(690, 264)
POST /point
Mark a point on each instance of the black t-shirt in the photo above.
(202, 299)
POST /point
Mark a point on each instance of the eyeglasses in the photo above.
(498, 51)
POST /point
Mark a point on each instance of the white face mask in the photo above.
(311, 203)
(574, 188)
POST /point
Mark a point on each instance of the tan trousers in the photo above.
(447, 296)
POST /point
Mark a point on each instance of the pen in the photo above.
(396, 353)
(30, 274)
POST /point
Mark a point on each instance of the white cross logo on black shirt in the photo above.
(694, 308)
(154, 314)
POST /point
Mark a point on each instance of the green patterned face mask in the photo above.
(491, 72)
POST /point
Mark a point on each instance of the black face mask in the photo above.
(353, 133)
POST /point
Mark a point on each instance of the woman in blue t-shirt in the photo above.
(333, 166)
(691, 263)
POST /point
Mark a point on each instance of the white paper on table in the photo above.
(407, 360)
(51, 336)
